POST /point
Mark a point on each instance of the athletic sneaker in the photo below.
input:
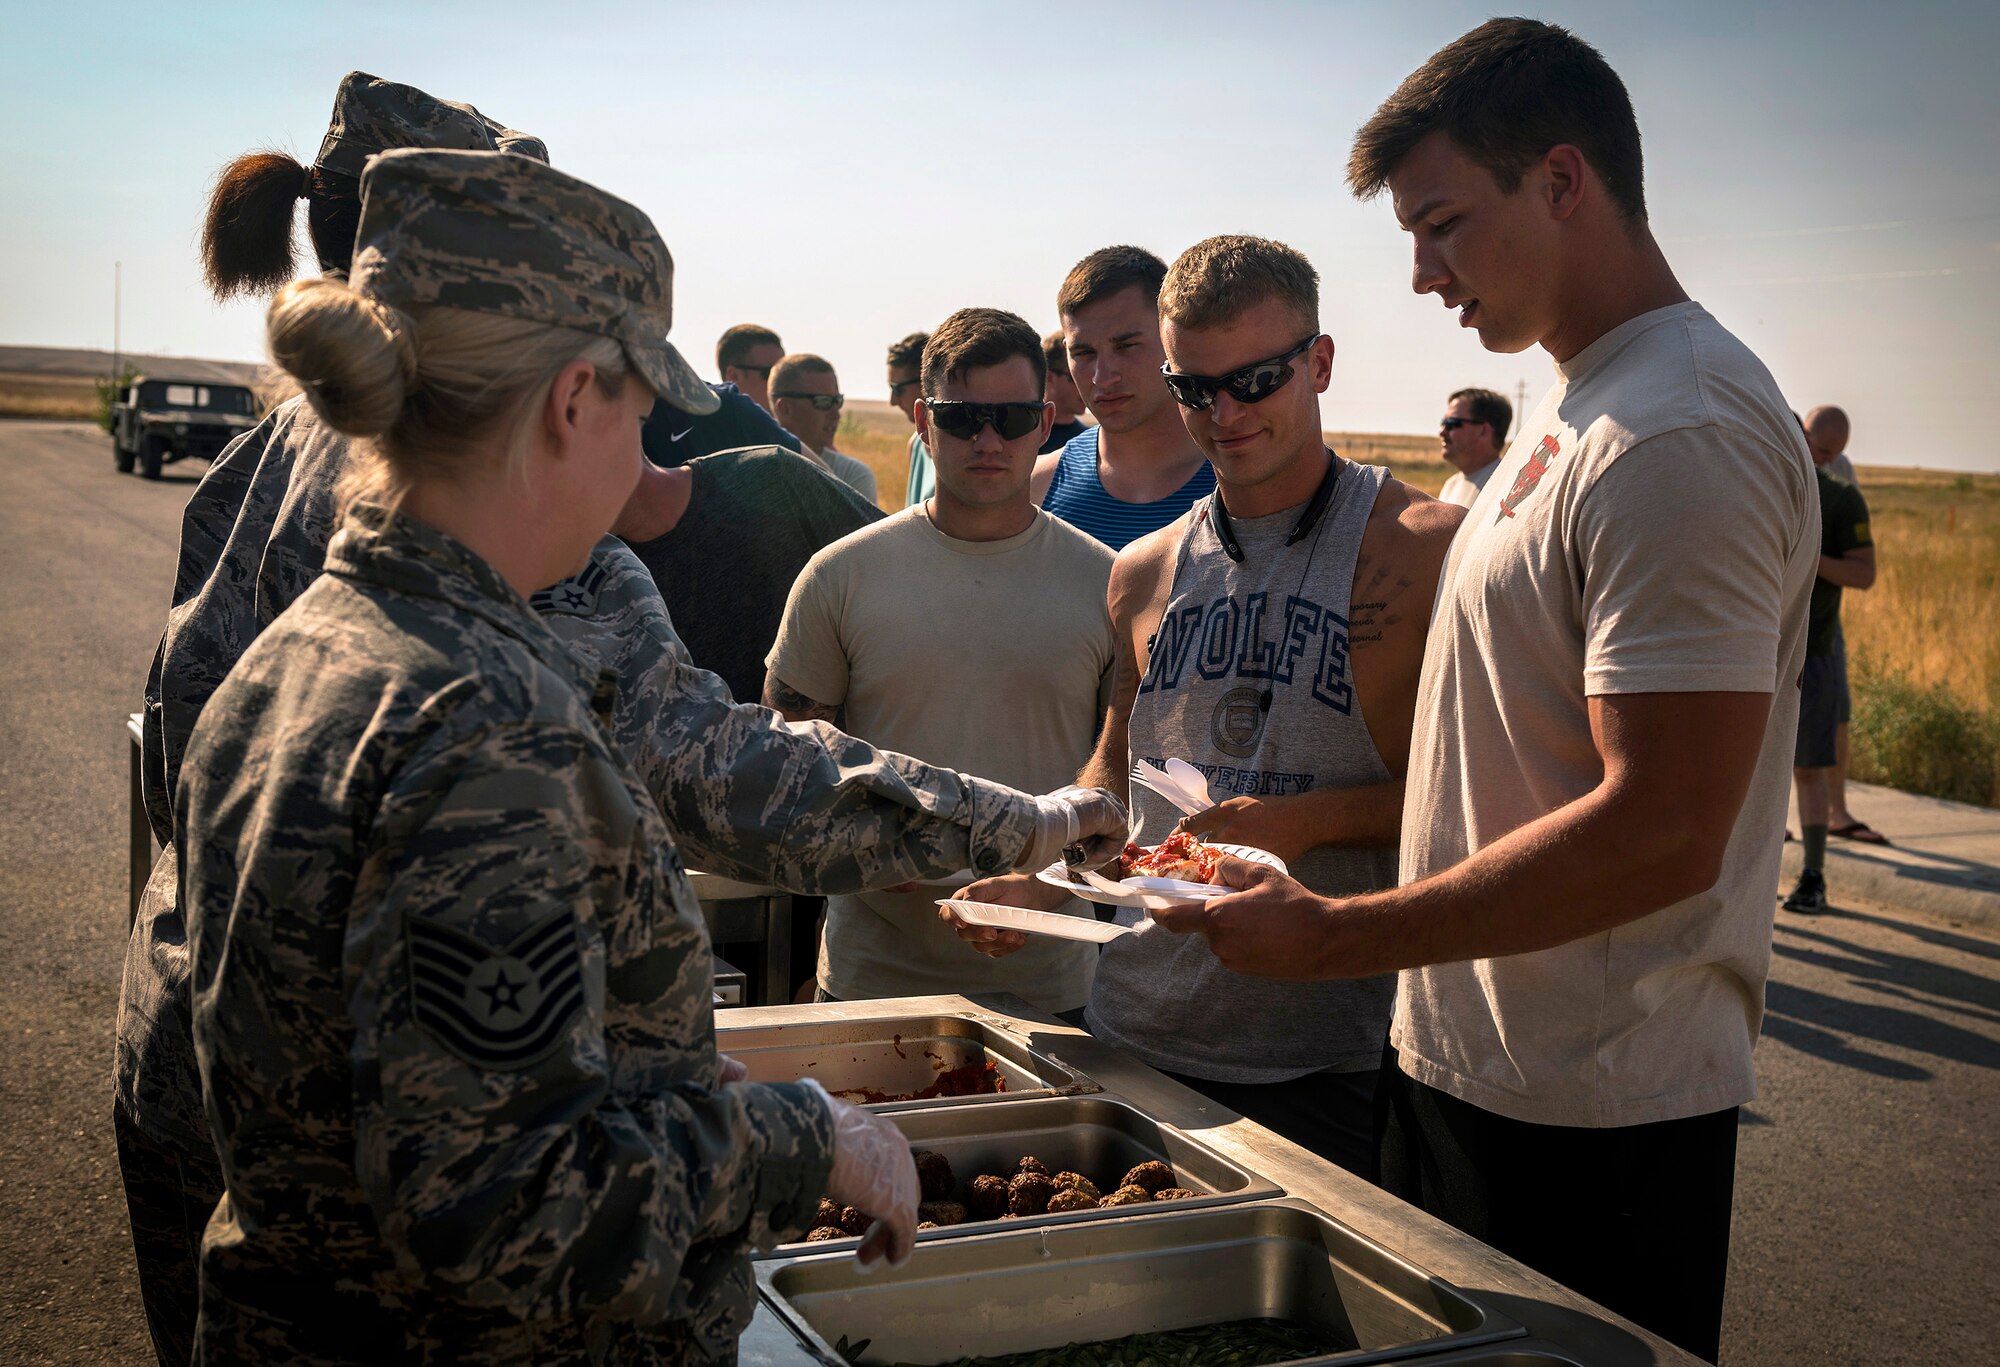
(1809, 897)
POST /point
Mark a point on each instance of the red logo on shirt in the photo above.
(1531, 475)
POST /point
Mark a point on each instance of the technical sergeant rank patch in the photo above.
(500, 1009)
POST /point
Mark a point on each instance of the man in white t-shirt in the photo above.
(1471, 435)
(806, 398)
(970, 628)
(1604, 723)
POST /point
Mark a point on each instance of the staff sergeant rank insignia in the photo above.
(500, 1009)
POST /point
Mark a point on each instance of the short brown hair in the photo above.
(1489, 408)
(737, 344)
(1055, 352)
(908, 354)
(1217, 278)
(975, 338)
(1107, 271)
(1504, 94)
(799, 363)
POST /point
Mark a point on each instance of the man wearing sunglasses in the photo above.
(1137, 470)
(745, 355)
(806, 398)
(1272, 637)
(969, 628)
(1472, 432)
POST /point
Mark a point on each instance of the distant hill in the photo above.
(76, 363)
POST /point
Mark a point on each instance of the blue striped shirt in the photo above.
(1077, 496)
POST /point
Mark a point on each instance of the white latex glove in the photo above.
(1090, 817)
(873, 1172)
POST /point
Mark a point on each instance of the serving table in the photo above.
(1274, 1231)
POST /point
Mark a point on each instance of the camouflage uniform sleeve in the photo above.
(539, 1124)
(206, 523)
(748, 795)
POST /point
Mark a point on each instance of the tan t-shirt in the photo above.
(1653, 529)
(989, 657)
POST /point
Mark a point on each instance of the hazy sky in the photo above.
(1825, 176)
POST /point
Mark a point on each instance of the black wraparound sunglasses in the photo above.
(900, 385)
(964, 420)
(1252, 384)
(825, 403)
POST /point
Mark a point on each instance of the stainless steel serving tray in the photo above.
(1032, 1289)
(897, 1055)
(1098, 1136)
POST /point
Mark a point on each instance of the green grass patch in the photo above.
(1922, 737)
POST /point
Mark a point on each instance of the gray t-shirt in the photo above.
(1248, 680)
(756, 516)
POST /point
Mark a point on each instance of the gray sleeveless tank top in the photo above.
(1249, 682)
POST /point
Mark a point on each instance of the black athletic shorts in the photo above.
(1819, 713)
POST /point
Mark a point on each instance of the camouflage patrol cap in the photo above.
(372, 115)
(502, 234)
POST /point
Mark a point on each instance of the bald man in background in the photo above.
(1827, 431)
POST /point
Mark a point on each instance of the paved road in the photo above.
(1869, 1178)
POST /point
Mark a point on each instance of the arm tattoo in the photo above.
(781, 697)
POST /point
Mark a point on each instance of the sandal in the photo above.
(1860, 832)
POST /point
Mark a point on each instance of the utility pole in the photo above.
(117, 300)
(1520, 403)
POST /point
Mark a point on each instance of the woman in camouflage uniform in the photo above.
(253, 536)
(451, 988)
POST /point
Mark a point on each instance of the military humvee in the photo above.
(156, 421)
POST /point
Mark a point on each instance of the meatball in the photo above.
(1029, 1193)
(942, 1212)
(934, 1176)
(1031, 1164)
(1152, 1176)
(986, 1197)
(1070, 1199)
(1127, 1196)
(1076, 1181)
(1173, 1194)
(827, 1214)
(825, 1232)
(853, 1221)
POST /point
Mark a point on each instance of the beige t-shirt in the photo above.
(989, 657)
(1653, 529)
(1463, 489)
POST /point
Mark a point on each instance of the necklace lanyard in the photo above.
(1311, 523)
(1315, 509)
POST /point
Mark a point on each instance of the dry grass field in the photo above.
(1924, 643)
(71, 397)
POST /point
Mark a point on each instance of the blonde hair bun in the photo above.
(355, 357)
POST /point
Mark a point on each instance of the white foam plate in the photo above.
(1154, 894)
(1035, 922)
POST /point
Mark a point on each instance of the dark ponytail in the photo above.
(246, 241)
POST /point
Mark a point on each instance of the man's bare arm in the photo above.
(1854, 570)
(1044, 475)
(793, 705)
(1653, 832)
(1135, 599)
